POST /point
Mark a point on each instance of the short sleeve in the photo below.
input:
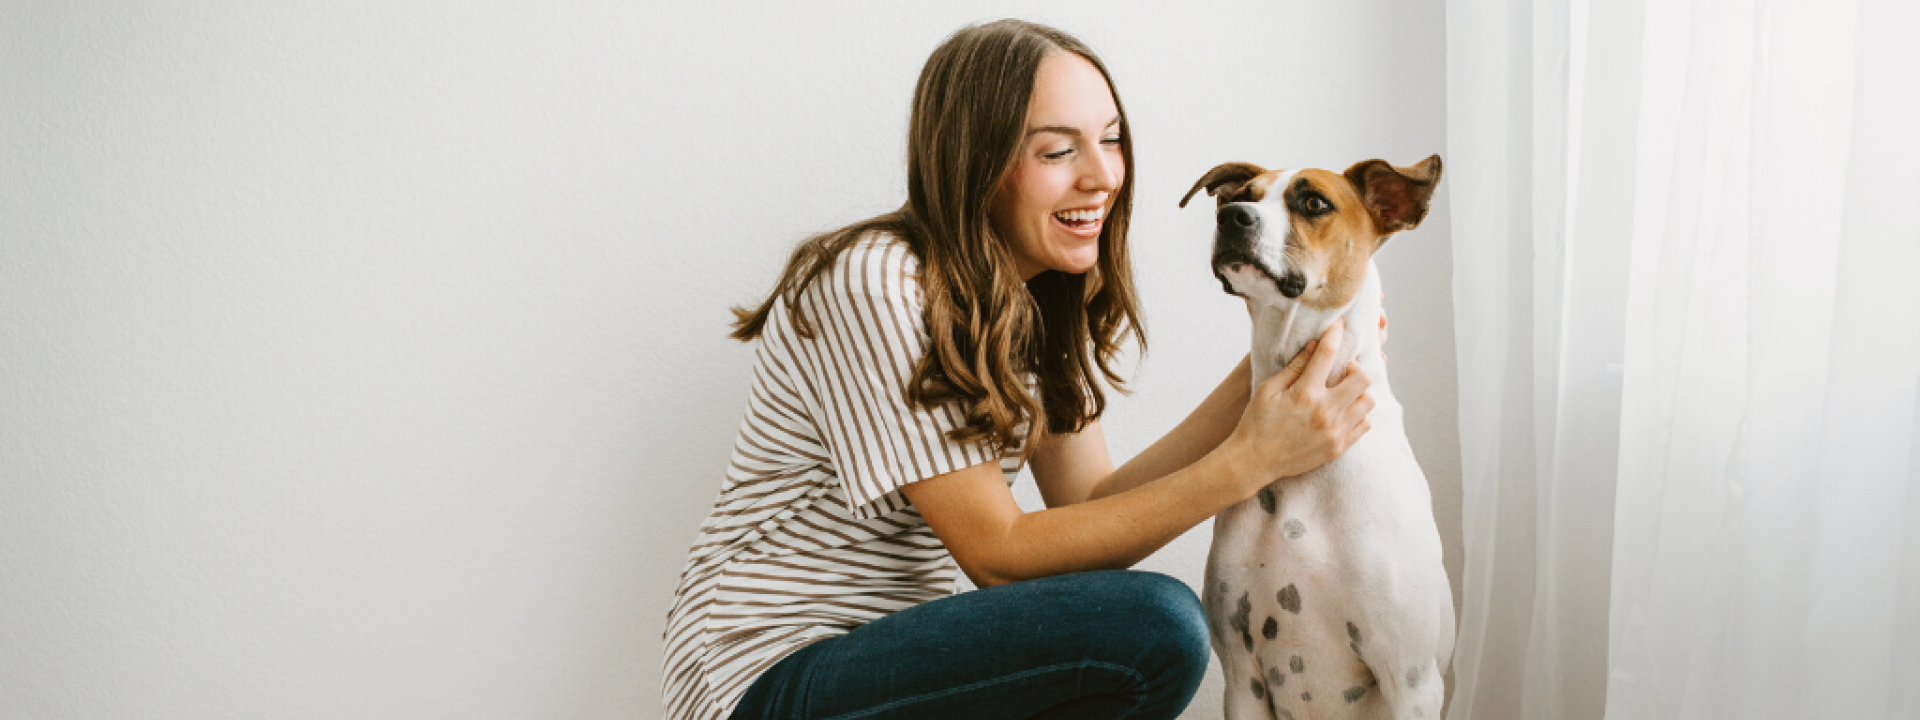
(869, 334)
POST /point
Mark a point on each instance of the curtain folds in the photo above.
(1536, 126)
(1687, 296)
(1771, 363)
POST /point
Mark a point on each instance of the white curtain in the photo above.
(1687, 286)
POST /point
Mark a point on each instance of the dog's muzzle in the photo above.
(1236, 240)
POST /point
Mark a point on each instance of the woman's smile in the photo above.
(1082, 222)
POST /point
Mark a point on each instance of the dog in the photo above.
(1325, 593)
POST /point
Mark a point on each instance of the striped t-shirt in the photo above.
(811, 537)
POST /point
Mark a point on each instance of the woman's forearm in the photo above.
(1197, 435)
(1120, 529)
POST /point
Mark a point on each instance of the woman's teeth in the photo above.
(1078, 217)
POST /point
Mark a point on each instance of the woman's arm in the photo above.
(1071, 469)
(1075, 468)
(1292, 423)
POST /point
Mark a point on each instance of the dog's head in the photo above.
(1306, 235)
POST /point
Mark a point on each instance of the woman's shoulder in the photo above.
(882, 250)
(877, 264)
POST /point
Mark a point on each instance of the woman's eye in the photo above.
(1114, 140)
(1057, 154)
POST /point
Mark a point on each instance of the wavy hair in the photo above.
(988, 328)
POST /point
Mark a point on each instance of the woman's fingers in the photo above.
(1297, 365)
(1322, 361)
(1383, 324)
(1358, 431)
(1352, 387)
(1351, 400)
(1303, 422)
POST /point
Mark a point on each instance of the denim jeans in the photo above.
(1105, 644)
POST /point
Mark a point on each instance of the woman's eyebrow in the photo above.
(1065, 129)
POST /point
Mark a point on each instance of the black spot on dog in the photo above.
(1290, 598)
(1297, 664)
(1259, 689)
(1275, 679)
(1293, 528)
(1241, 620)
(1353, 631)
(1270, 629)
(1306, 696)
(1354, 693)
(1267, 501)
(1413, 677)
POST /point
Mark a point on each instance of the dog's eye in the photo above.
(1315, 204)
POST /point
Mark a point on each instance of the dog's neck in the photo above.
(1282, 329)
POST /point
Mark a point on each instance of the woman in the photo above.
(906, 366)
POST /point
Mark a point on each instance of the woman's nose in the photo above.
(1102, 172)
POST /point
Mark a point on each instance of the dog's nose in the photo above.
(1239, 218)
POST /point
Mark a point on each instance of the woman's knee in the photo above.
(1162, 615)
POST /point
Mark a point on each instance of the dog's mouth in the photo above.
(1290, 283)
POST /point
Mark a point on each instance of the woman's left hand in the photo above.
(1383, 325)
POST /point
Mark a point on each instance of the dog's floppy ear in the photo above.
(1224, 180)
(1397, 197)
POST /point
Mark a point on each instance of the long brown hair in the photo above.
(987, 328)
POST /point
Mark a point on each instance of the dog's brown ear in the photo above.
(1224, 180)
(1396, 196)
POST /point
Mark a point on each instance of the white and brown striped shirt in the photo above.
(810, 537)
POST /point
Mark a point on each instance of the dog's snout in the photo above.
(1238, 217)
(1238, 245)
(1238, 230)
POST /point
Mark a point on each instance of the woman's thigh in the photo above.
(1106, 644)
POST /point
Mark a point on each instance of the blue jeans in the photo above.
(1106, 644)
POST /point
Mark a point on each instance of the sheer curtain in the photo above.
(1687, 287)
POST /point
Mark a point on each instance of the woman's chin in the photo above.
(1071, 255)
(1087, 258)
(1078, 265)
(1076, 256)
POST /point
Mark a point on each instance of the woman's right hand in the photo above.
(1294, 422)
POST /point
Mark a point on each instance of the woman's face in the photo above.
(1055, 201)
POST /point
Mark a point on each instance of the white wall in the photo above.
(366, 360)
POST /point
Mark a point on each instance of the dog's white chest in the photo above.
(1325, 593)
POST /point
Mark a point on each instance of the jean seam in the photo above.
(1083, 664)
